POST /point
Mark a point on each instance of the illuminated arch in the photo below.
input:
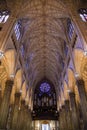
(9, 62)
(78, 56)
(18, 80)
(66, 91)
(24, 90)
(71, 79)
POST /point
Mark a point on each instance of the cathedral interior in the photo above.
(43, 64)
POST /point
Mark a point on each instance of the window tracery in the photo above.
(44, 87)
(22, 50)
(83, 14)
(70, 29)
(4, 15)
(17, 29)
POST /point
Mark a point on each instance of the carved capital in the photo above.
(17, 94)
(9, 83)
(67, 105)
(72, 94)
(17, 98)
(22, 102)
(80, 82)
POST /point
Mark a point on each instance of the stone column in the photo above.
(83, 100)
(29, 125)
(28, 119)
(21, 116)
(74, 113)
(60, 120)
(64, 118)
(0, 97)
(11, 115)
(68, 115)
(16, 111)
(27, 122)
(5, 104)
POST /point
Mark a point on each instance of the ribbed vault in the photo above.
(44, 38)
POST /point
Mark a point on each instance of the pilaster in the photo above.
(5, 104)
(83, 100)
(16, 111)
(68, 115)
(74, 113)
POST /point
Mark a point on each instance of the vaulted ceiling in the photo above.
(44, 36)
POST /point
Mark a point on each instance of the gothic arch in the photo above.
(18, 80)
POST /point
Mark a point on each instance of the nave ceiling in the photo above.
(43, 38)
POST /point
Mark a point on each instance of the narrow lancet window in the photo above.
(70, 29)
(17, 29)
(83, 14)
(4, 15)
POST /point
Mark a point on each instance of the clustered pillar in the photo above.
(4, 109)
(16, 111)
(18, 114)
(83, 101)
(69, 113)
(74, 112)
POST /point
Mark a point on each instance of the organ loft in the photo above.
(43, 64)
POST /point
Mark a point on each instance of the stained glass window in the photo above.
(44, 87)
(17, 29)
(65, 48)
(4, 15)
(26, 64)
(83, 14)
(70, 29)
(22, 50)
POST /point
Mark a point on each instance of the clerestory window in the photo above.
(44, 87)
(4, 15)
(83, 14)
(70, 29)
(17, 29)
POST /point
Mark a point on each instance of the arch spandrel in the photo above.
(9, 62)
(12, 97)
(24, 90)
(84, 70)
(77, 97)
(71, 80)
(18, 80)
(66, 91)
(44, 36)
(78, 56)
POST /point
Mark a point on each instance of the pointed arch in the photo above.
(71, 79)
(24, 90)
(78, 56)
(18, 80)
(9, 62)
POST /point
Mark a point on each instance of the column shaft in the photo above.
(83, 101)
(16, 112)
(74, 113)
(11, 115)
(21, 116)
(68, 115)
(62, 119)
(5, 104)
(0, 98)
